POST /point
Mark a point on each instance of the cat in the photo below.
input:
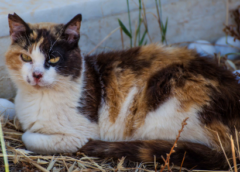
(122, 103)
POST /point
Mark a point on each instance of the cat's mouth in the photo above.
(38, 83)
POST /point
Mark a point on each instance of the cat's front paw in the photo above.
(52, 143)
(33, 142)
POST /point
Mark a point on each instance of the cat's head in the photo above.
(44, 54)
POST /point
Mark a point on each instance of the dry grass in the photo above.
(167, 161)
(234, 30)
(21, 159)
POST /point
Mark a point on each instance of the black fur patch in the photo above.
(91, 97)
(70, 58)
(160, 84)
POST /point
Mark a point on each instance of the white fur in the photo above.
(115, 131)
(165, 122)
(82, 77)
(50, 118)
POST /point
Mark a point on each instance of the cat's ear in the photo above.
(71, 30)
(17, 26)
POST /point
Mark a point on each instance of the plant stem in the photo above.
(139, 20)
(129, 20)
(159, 19)
(145, 21)
(3, 149)
(160, 9)
(121, 32)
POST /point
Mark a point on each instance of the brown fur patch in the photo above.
(35, 45)
(117, 76)
(145, 154)
(33, 35)
(194, 92)
(218, 132)
(12, 59)
(53, 28)
(118, 90)
(137, 113)
(114, 98)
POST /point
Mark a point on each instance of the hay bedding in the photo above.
(22, 160)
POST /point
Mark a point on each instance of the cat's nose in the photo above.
(37, 75)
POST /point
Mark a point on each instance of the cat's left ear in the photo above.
(17, 27)
(71, 31)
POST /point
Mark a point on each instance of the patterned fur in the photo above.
(129, 103)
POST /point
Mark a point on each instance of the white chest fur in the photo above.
(43, 109)
(53, 113)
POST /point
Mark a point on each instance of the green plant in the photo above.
(163, 27)
(140, 38)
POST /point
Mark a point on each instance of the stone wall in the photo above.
(189, 20)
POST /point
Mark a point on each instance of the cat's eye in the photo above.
(54, 60)
(26, 58)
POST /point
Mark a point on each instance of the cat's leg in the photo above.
(56, 143)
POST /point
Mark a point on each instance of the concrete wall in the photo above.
(188, 20)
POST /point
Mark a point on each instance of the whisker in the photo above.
(58, 53)
(56, 39)
(29, 42)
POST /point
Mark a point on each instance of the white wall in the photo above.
(188, 20)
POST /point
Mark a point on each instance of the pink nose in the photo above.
(37, 75)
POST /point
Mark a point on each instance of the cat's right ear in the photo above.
(71, 31)
(17, 26)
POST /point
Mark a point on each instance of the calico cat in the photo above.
(128, 103)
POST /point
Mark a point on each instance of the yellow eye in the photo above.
(26, 58)
(54, 60)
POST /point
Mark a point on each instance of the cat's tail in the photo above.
(197, 155)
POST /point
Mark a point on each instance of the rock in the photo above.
(7, 89)
(203, 47)
(226, 48)
(237, 74)
(7, 109)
